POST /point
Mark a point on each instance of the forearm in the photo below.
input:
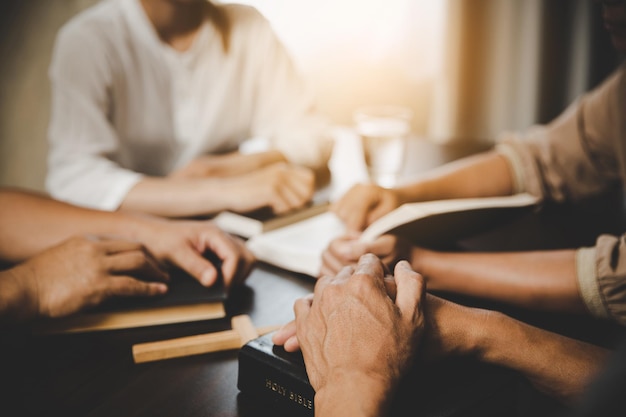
(557, 365)
(544, 280)
(484, 175)
(178, 197)
(31, 222)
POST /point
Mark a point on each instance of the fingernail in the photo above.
(207, 278)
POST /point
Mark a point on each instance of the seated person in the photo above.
(151, 100)
(579, 155)
(361, 331)
(62, 258)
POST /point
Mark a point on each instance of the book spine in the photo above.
(275, 382)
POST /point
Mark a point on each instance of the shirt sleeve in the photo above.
(601, 272)
(285, 111)
(576, 156)
(81, 137)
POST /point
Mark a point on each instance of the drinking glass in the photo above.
(384, 132)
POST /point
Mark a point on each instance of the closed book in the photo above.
(253, 223)
(275, 377)
(186, 300)
(274, 381)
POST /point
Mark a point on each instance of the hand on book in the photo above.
(364, 203)
(50, 285)
(188, 245)
(348, 249)
(344, 328)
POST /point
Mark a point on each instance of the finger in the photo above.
(301, 182)
(354, 215)
(331, 265)
(301, 308)
(111, 245)
(347, 248)
(390, 286)
(284, 333)
(290, 196)
(279, 203)
(410, 290)
(126, 286)
(370, 264)
(236, 259)
(135, 261)
(383, 245)
(342, 276)
(194, 263)
(355, 206)
(292, 344)
(376, 213)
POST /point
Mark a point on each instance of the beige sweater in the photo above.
(579, 154)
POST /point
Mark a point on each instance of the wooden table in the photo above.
(93, 374)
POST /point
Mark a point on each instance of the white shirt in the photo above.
(126, 104)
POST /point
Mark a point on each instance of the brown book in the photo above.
(186, 300)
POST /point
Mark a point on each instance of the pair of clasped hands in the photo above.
(360, 328)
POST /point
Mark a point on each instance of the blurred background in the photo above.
(468, 68)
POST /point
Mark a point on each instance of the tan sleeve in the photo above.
(576, 155)
(601, 273)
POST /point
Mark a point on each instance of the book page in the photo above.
(298, 247)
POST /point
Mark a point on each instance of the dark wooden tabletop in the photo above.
(93, 374)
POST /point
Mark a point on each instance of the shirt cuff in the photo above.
(515, 163)
(588, 282)
(114, 197)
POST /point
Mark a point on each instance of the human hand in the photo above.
(83, 271)
(355, 338)
(281, 186)
(183, 243)
(286, 335)
(227, 165)
(364, 203)
(346, 250)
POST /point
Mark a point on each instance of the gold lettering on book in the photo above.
(293, 396)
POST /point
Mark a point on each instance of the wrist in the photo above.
(271, 157)
(486, 337)
(353, 394)
(19, 301)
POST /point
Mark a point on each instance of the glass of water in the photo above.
(384, 133)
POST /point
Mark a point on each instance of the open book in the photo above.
(186, 300)
(299, 247)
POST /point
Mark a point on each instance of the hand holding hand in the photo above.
(355, 338)
(347, 249)
(363, 204)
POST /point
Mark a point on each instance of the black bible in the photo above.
(271, 378)
(275, 377)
